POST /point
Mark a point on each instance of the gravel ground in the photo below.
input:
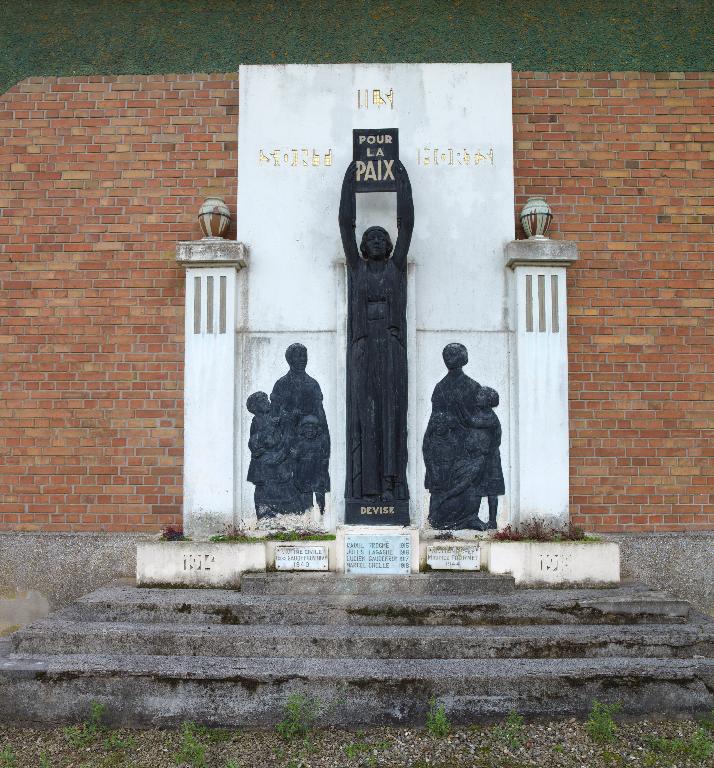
(556, 744)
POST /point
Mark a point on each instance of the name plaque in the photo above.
(301, 558)
(389, 554)
(447, 557)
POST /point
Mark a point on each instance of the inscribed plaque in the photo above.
(378, 554)
(301, 558)
(448, 557)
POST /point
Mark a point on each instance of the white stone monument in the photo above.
(467, 281)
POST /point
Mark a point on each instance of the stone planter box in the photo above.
(196, 563)
(557, 562)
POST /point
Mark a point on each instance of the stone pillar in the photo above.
(540, 378)
(213, 269)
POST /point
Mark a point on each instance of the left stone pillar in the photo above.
(213, 284)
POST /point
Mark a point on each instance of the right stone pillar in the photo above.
(541, 487)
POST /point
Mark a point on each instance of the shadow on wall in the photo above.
(20, 608)
(40, 572)
(680, 563)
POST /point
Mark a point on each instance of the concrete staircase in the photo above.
(372, 650)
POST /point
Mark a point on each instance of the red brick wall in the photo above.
(100, 176)
(627, 162)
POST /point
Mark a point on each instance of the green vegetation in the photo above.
(300, 536)
(300, 715)
(511, 733)
(81, 37)
(600, 725)
(540, 530)
(173, 533)
(355, 749)
(244, 537)
(7, 758)
(82, 736)
(115, 742)
(191, 750)
(437, 723)
(698, 748)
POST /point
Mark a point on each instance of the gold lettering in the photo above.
(449, 156)
(303, 157)
(379, 98)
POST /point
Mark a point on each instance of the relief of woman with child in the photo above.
(462, 449)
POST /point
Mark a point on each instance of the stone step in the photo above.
(629, 605)
(57, 637)
(235, 692)
(341, 584)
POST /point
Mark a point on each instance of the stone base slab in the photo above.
(63, 566)
(197, 563)
(566, 562)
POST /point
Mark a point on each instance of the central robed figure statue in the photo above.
(376, 480)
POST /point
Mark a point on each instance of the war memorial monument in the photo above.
(376, 365)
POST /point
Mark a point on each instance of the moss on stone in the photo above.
(78, 37)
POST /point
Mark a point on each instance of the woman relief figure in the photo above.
(461, 448)
(289, 442)
(376, 352)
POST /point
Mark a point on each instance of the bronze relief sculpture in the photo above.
(376, 359)
(289, 442)
(462, 448)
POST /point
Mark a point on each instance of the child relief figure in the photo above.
(485, 420)
(268, 471)
(310, 458)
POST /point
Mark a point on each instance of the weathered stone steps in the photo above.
(160, 690)
(57, 637)
(322, 584)
(370, 652)
(523, 607)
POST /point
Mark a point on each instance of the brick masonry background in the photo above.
(101, 176)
